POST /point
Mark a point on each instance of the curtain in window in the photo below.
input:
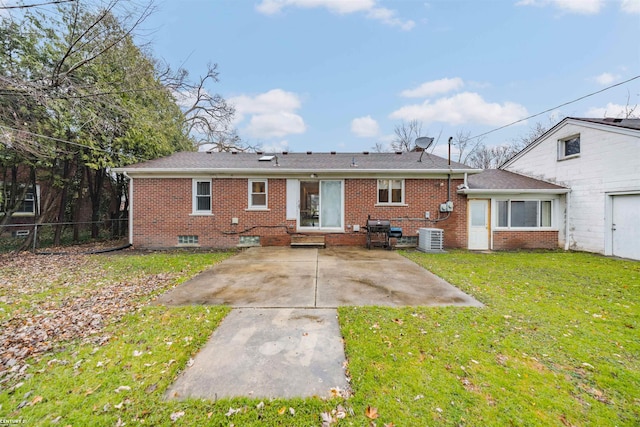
(383, 191)
(396, 191)
(258, 193)
(330, 204)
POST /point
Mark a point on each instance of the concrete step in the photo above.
(307, 241)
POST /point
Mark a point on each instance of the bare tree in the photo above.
(379, 147)
(208, 116)
(629, 110)
(465, 145)
(484, 157)
(406, 134)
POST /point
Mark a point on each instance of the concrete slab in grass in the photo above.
(268, 353)
(352, 276)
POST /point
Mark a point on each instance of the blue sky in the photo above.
(338, 75)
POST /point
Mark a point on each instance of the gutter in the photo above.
(472, 191)
(130, 206)
(294, 173)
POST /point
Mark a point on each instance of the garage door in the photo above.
(626, 226)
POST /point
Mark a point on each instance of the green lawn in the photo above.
(556, 344)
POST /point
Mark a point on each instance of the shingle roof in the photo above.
(622, 123)
(498, 179)
(185, 161)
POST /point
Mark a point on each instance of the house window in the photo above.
(201, 197)
(257, 194)
(569, 147)
(523, 213)
(24, 207)
(390, 191)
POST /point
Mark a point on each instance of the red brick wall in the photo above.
(509, 240)
(421, 195)
(162, 211)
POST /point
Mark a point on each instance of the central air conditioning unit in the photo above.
(430, 240)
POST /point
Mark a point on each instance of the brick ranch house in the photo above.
(223, 200)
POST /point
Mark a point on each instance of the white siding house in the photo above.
(599, 160)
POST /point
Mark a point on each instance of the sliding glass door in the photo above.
(321, 205)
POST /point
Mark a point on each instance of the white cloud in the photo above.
(340, 7)
(630, 6)
(388, 16)
(275, 125)
(610, 110)
(275, 147)
(465, 107)
(584, 7)
(434, 87)
(606, 79)
(272, 114)
(269, 7)
(268, 102)
(365, 127)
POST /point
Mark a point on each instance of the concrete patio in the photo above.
(317, 278)
(282, 339)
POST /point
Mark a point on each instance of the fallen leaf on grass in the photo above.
(151, 388)
(398, 321)
(93, 390)
(176, 415)
(122, 388)
(36, 399)
(282, 410)
(137, 353)
(292, 411)
(232, 411)
(371, 413)
(327, 419)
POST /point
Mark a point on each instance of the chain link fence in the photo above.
(65, 236)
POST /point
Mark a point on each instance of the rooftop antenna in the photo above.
(424, 142)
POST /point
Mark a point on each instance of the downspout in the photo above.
(130, 207)
(449, 175)
(566, 220)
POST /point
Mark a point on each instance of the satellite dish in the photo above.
(423, 142)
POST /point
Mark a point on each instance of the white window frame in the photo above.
(551, 225)
(194, 194)
(390, 203)
(250, 194)
(35, 196)
(562, 147)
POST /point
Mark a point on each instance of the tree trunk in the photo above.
(63, 204)
(95, 183)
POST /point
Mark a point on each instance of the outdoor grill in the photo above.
(379, 231)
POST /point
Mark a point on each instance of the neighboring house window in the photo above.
(524, 213)
(25, 207)
(201, 196)
(390, 191)
(569, 147)
(257, 194)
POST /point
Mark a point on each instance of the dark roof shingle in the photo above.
(298, 161)
(498, 179)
